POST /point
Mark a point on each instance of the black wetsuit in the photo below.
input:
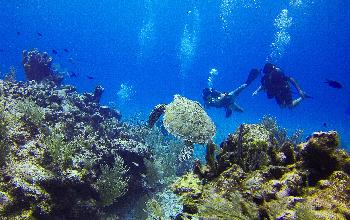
(277, 86)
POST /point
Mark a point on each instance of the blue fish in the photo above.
(334, 84)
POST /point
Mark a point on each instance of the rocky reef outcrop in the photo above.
(257, 176)
(38, 66)
(63, 155)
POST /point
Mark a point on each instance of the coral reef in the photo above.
(169, 159)
(63, 155)
(256, 176)
(112, 184)
(38, 66)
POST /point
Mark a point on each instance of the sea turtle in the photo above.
(185, 119)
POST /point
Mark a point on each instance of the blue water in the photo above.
(160, 48)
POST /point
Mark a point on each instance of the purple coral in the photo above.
(38, 66)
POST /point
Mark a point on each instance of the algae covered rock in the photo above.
(185, 119)
(330, 199)
(261, 178)
(320, 155)
(38, 66)
(189, 188)
(251, 147)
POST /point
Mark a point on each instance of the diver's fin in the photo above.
(253, 74)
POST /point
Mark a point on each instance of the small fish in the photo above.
(39, 34)
(334, 84)
(136, 164)
(90, 77)
(54, 51)
(73, 74)
(66, 50)
(324, 124)
(18, 33)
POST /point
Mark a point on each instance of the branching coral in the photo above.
(280, 134)
(112, 182)
(60, 150)
(31, 111)
(162, 171)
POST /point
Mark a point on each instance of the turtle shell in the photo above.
(186, 119)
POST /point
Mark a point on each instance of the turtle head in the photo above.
(157, 111)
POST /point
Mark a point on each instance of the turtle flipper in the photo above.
(157, 111)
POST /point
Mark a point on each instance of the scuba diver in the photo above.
(214, 98)
(277, 85)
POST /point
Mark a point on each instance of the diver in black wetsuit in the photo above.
(277, 85)
(214, 98)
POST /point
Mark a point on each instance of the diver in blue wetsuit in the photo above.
(214, 98)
